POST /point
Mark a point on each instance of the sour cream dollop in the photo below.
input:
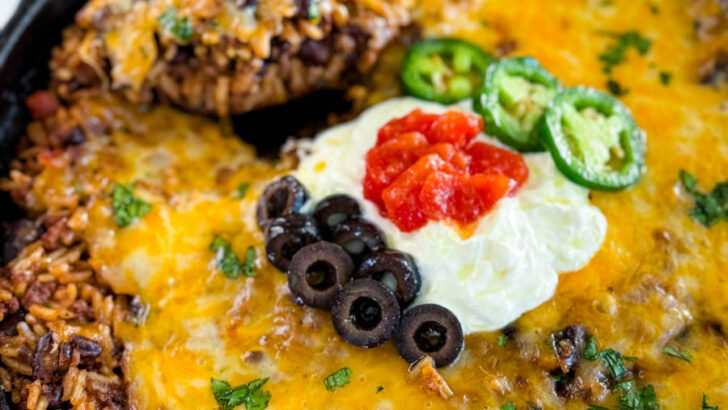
(511, 262)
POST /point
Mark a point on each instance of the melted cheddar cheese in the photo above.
(658, 279)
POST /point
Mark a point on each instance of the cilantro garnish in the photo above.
(614, 362)
(379, 389)
(127, 207)
(242, 190)
(682, 355)
(665, 78)
(595, 407)
(709, 208)
(637, 399)
(502, 341)
(508, 406)
(614, 55)
(616, 88)
(707, 406)
(248, 394)
(339, 378)
(314, 10)
(227, 261)
(591, 353)
(181, 27)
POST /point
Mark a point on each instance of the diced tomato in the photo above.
(401, 199)
(416, 121)
(489, 159)
(456, 128)
(427, 167)
(42, 104)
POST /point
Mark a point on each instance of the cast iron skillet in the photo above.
(25, 49)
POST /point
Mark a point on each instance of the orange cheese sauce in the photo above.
(659, 279)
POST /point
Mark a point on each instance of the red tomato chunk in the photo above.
(429, 167)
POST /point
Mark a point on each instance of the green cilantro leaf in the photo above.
(591, 353)
(242, 190)
(688, 181)
(249, 394)
(707, 406)
(595, 407)
(379, 389)
(339, 378)
(249, 265)
(614, 362)
(709, 208)
(508, 406)
(502, 341)
(637, 399)
(127, 208)
(314, 10)
(616, 88)
(181, 27)
(682, 355)
(665, 78)
(227, 261)
(614, 55)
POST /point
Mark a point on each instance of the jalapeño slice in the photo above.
(593, 139)
(444, 70)
(512, 101)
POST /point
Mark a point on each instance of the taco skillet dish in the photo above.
(523, 205)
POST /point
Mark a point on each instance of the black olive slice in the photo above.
(317, 272)
(286, 235)
(334, 210)
(397, 270)
(359, 237)
(282, 197)
(429, 330)
(365, 313)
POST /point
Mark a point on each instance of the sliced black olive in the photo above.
(397, 270)
(359, 237)
(317, 272)
(429, 330)
(334, 210)
(282, 197)
(286, 235)
(365, 313)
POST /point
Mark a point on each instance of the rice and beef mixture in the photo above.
(222, 56)
(57, 318)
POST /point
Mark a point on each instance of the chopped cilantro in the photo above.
(339, 378)
(707, 406)
(127, 208)
(614, 362)
(709, 208)
(665, 78)
(314, 10)
(181, 27)
(249, 265)
(614, 55)
(654, 9)
(502, 341)
(559, 378)
(616, 88)
(591, 353)
(637, 399)
(227, 261)
(682, 355)
(508, 406)
(595, 407)
(242, 190)
(249, 394)
(379, 389)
